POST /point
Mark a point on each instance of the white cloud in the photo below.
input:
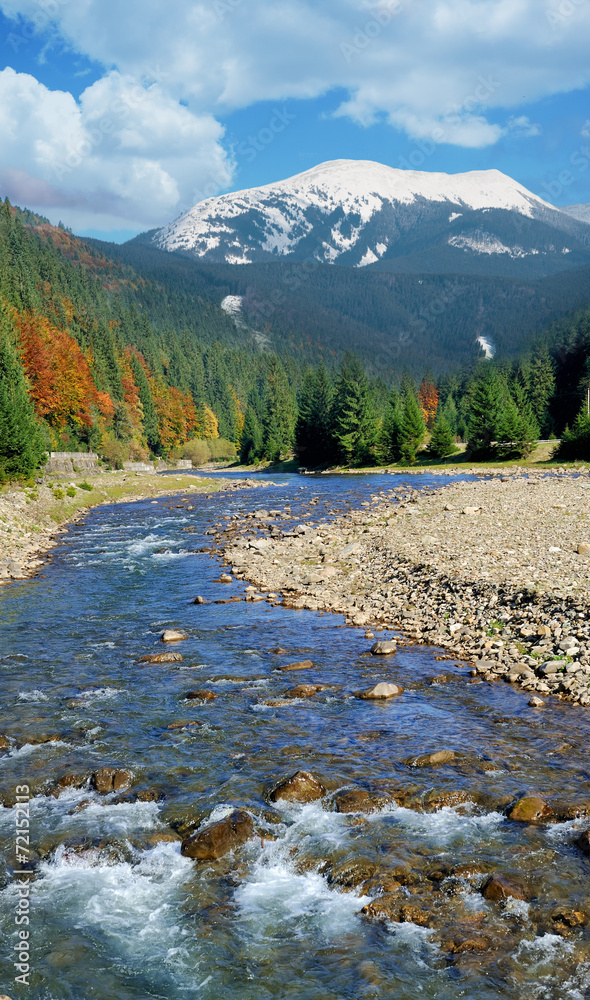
(522, 127)
(122, 151)
(453, 71)
(586, 129)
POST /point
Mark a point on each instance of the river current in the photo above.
(117, 913)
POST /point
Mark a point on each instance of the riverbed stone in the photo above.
(69, 781)
(213, 841)
(432, 759)
(173, 635)
(300, 665)
(359, 800)
(499, 887)
(4, 743)
(583, 842)
(300, 787)
(161, 658)
(306, 690)
(111, 779)
(530, 809)
(381, 691)
(383, 647)
(536, 702)
(200, 695)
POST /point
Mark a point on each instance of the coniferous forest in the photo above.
(97, 354)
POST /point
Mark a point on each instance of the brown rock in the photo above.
(200, 600)
(381, 691)
(438, 800)
(110, 779)
(225, 578)
(161, 658)
(300, 787)
(583, 549)
(4, 745)
(301, 665)
(69, 781)
(386, 907)
(432, 759)
(410, 914)
(215, 840)
(530, 809)
(359, 800)
(569, 918)
(184, 724)
(200, 695)
(457, 944)
(306, 690)
(504, 887)
(583, 842)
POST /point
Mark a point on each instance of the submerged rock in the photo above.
(300, 787)
(4, 745)
(200, 695)
(306, 690)
(69, 781)
(432, 759)
(380, 691)
(219, 838)
(383, 647)
(505, 887)
(583, 842)
(531, 809)
(359, 800)
(161, 658)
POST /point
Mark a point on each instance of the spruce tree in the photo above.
(413, 428)
(354, 418)
(485, 412)
(22, 443)
(390, 440)
(313, 434)
(575, 442)
(251, 447)
(442, 441)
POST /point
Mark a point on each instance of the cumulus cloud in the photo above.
(585, 131)
(449, 71)
(123, 151)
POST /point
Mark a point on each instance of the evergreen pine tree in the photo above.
(575, 442)
(354, 419)
(413, 428)
(485, 412)
(22, 444)
(251, 448)
(313, 433)
(391, 431)
(442, 441)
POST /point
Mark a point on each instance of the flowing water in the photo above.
(117, 912)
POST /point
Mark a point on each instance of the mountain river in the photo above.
(117, 913)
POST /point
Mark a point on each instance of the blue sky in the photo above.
(115, 118)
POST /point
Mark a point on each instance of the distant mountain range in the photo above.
(362, 214)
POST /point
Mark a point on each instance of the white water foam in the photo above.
(32, 696)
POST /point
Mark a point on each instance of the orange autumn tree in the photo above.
(176, 412)
(61, 383)
(428, 399)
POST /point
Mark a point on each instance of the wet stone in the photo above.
(432, 759)
(161, 658)
(381, 691)
(530, 809)
(383, 647)
(300, 665)
(359, 800)
(200, 695)
(69, 781)
(583, 842)
(173, 635)
(499, 887)
(216, 840)
(111, 780)
(300, 787)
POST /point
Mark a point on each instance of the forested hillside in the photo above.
(133, 361)
(391, 320)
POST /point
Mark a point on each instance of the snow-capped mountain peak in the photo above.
(355, 212)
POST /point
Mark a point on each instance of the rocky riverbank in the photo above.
(32, 518)
(495, 571)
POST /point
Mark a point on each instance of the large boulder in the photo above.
(219, 838)
(530, 809)
(498, 887)
(381, 691)
(300, 787)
